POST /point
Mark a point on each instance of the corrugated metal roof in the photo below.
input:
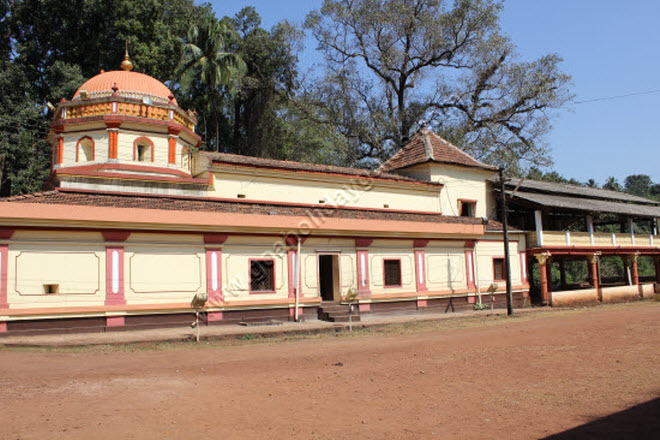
(576, 190)
(588, 204)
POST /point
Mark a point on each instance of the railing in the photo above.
(124, 107)
(600, 239)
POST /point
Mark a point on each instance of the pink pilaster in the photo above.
(363, 272)
(420, 270)
(469, 268)
(214, 275)
(523, 267)
(292, 265)
(4, 256)
(114, 276)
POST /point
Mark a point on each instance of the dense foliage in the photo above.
(388, 65)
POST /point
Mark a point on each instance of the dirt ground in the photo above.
(578, 374)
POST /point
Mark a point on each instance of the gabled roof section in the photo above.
(426, 146)
(261, 162)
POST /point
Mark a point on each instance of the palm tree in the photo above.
(206, 58)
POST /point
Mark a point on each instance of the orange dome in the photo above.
(130, 85)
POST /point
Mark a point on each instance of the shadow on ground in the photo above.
(639, 422)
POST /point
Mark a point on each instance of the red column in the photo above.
(59, 154)
(171, 152)
(113, 139)
(543, 272)
(593, 270)
(634, 270)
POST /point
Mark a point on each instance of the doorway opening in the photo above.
(329, 278)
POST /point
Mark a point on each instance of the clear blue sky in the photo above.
(609, 47)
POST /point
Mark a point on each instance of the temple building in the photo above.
(136, 221)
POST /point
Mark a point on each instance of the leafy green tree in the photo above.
(265, 89)
(207, 58)
(638, 184)
(612, 184)
(392, 63)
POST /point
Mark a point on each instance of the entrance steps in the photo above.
(337, 312)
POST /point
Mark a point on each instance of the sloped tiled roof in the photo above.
(178, 203)
(262, 162)
(427, 146)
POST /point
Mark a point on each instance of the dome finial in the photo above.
(126, 64)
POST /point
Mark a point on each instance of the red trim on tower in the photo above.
(59, 153)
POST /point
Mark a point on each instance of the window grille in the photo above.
(392, 272)
(262, 276)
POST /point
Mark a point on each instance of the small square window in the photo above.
(51, 288)
(262, 276)
(498, 269)
(392, 272)
(468, 209)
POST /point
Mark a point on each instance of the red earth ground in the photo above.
(530, 376)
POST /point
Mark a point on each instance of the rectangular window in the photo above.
(392, 270)
(468, 208)
(498, 269)
(262, 275)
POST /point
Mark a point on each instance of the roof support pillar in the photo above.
(631, 229)
(538, 219)
(590, 228)
(593, 270)
(543, 272)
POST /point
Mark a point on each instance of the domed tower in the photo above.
(124, 131)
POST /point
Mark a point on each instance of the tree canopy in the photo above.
(388, 66)
(391, 64)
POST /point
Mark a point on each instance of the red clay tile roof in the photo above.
(427, 146)
(129, 84)
(495, 226)
(261, 162)
(170, 203)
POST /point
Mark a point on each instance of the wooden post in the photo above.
(545, 293)
(657, 269)
(562, 273)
